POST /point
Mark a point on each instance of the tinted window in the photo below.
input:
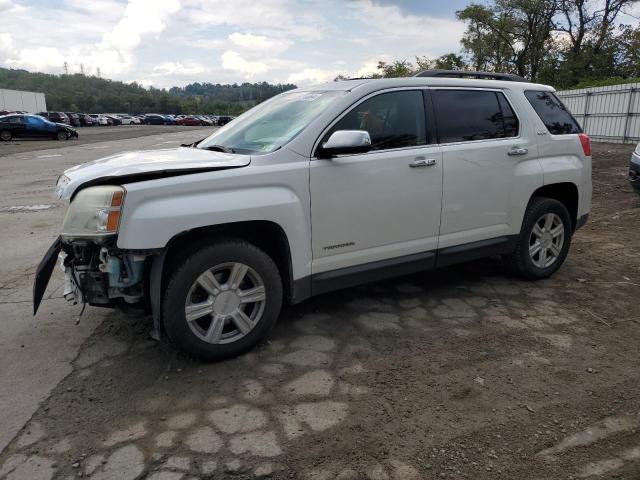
(393, 120)
(464, 115)
(508, 117)
(553, 113)
(16, 120)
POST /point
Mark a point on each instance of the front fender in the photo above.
(156, 211)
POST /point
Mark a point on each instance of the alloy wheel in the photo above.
(225, 303)
(546, 240)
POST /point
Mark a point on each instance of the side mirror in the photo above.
(344, 142)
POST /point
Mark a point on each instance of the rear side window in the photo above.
(466, 115)
(393, 120)
(553, 113)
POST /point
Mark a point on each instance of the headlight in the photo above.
(94, 212)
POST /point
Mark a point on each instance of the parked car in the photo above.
(224, 119)
(205, 121)
(324, 188)
(189, 121)
(126, 120)
(55, 117)
(171, 120)
(100, 120)
(74, 119)
(113, 120)
(634, 169)
(154, 119)
(86, 120)
(33, 126)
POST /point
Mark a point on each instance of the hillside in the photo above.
(91, 94)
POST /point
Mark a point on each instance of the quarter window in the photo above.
(393, 120)
(553, 113)
(466, 115)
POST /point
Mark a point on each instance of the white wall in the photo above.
(31, 102)
(607, 114)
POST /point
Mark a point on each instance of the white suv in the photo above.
(323, 188)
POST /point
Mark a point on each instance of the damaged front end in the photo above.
(102, 275)
(96, 271)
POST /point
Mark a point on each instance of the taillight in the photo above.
(586, 144)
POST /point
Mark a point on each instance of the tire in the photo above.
(62, 135)
(5, 135)
(185, 289)
(528, 260)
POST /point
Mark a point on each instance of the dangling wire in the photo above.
(84, 304)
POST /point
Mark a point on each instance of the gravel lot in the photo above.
(466, 372)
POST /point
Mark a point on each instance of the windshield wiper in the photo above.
(194, 144)
(219, 148)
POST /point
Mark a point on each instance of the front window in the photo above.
(272, 124)
(38, 121)
(393, 120)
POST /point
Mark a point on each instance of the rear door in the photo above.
(490, 162)
(384, 204)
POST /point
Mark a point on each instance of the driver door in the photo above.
(374, 211)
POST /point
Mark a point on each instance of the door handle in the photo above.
(419, 162)
(514, 152)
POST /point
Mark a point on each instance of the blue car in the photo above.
(33, 126)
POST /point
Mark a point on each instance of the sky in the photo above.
(168, 43)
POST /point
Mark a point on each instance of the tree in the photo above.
(450, 61)
(509, 35)
(588, 27)
(399, 68)
(629, 51)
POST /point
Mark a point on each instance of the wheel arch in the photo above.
(266, 235)
(566, 193)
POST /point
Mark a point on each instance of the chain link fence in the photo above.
(607, 114)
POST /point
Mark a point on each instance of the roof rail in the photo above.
(508, 77)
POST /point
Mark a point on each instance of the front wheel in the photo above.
(62, 135)
(5, 135)
(544, 240)
(222, 299)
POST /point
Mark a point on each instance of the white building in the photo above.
(31, 102)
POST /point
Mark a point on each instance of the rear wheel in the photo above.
(544, 240)
(222, 299)
(5, 135)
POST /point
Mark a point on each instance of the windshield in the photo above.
(271, 124)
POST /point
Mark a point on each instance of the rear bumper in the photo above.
(634, 171)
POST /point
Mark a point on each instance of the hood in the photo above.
(145, 165)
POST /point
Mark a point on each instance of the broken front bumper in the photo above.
(97, 274)
(43, 272)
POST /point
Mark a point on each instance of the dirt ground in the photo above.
(466, 372)
(88, 135)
